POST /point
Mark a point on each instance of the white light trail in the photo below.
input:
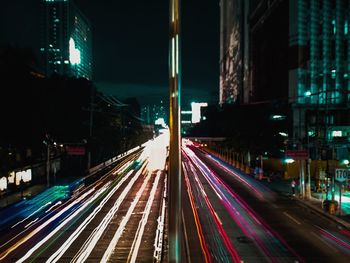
(32, 222)
(31, 214)
(64, 247)
(158, 241)
(35, 231)
(137, 241)
(123, 223)
(96, 234)
(57, 204)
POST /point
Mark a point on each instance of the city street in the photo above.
(260, 225)
(117, 218)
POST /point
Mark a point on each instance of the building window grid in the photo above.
(321, 51)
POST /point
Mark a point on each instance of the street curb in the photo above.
(321, 212)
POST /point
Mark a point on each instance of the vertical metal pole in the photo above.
(340, 192)
(302, 179)
(308, 186)
(175, 222)
(90, 126)
(48, 165)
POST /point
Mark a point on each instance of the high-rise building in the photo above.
(67, 45)
(234, 51)
(298, 57)
(319, 83)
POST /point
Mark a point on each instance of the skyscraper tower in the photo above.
(234, 51)
(67, 45)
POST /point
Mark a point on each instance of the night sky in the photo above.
(130, 45)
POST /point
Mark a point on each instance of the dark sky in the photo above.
(130, 44)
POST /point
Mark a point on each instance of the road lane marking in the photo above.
(292, 218)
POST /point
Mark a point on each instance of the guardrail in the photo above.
(111, 161)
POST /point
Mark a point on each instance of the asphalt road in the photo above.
(263, 226)
(118, 217)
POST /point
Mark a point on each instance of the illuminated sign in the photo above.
(74, 53)
(3, 183)
(25, 175)
(196, 111)
(337, 133)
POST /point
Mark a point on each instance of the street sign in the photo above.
(75, 150)
(298, 154)
(341, 175)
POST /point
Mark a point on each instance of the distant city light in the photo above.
(289, 160)
(278, 117)
(337, 133)
(346, 162)
(283, 134)
(308, 93)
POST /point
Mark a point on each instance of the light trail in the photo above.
(158, 240)
(202, 242)
(63, 248)
(96, 234)
(37, 230)
(41, 208)
(123, 223)
(255, 187)
(137, 241)
(340, 242)
(50, 208)
(244, 216)
(227, 242)
(32, 222)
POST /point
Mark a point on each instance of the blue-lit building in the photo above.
(67, 40)
(295, 56)
(319, 83)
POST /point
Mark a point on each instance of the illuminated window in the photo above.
(333, 73)
(337, 134)
(346, 29)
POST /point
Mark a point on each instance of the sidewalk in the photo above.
(282, 187)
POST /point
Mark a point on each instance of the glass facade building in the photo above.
(67, 45)
(295, 56)
(319, 83)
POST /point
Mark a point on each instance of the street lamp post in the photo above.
(48, 165)
(175, 208)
